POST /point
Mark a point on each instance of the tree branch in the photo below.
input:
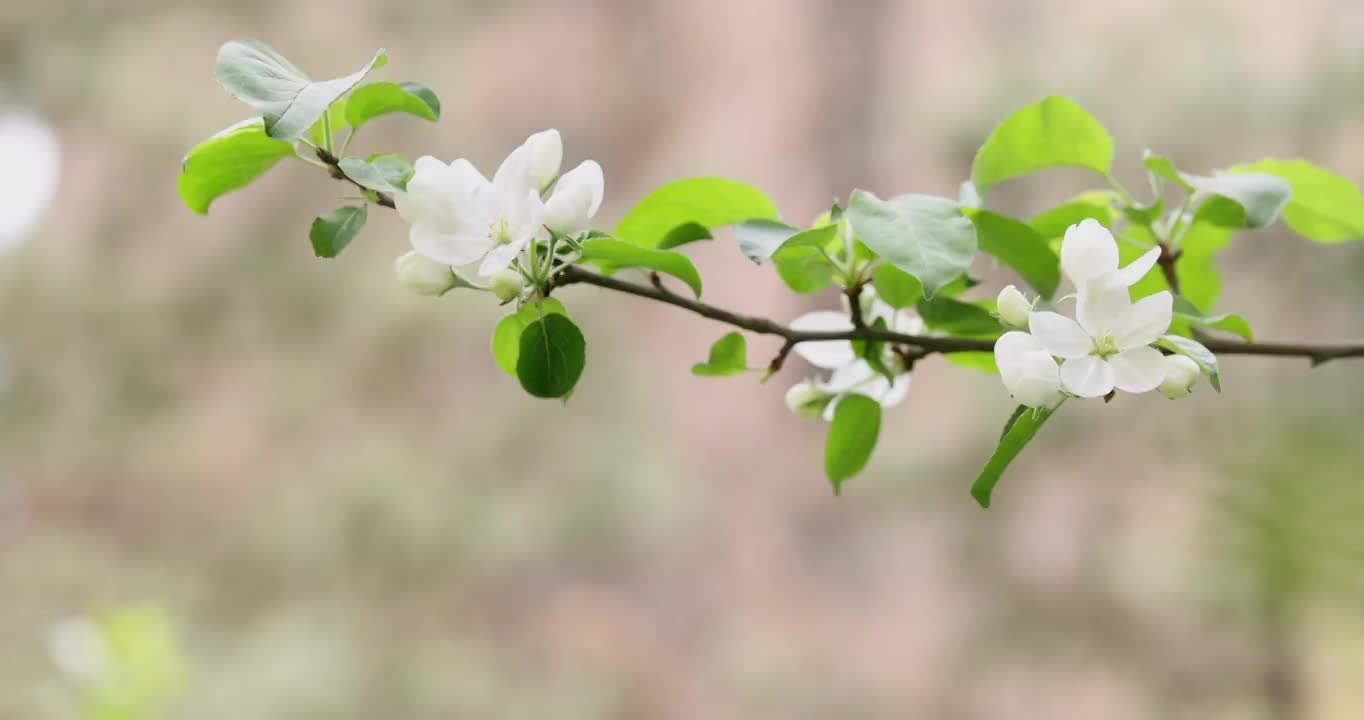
(926, 345)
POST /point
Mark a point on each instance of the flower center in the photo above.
(500, 231)
(1105, 347)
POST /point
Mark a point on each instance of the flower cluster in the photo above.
(459, 217)
(851, 373)
(1107, 346)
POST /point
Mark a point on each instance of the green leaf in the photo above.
(1021, 248)
(926, 236)
(1234, 324)
(610, 255)
(1018, 432)
(384, 173)
(1256, 199)
(1096, 204)
(801, 260)
(1053, 132)
(227, 161)
(975, 360)
(506, 343)
(1162, 167)
(758, 239)
(896, 287)
(852, 437)
(553, 354)
(287, 99)
(381, 98)
(958, 318)
(1325, 206)
(728, 356)
(331, 233)
(1195, 351)
(1199, 281)
(702, 203)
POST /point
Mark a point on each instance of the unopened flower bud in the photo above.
(1181, 373)
(424, 276)
(1013, 308)
(545, 153)
(505, 285)
(807, 400)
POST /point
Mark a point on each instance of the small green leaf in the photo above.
(926, 236)
(1234, 324)
(287, 99)
(384, 173)
(975, 360)
(959, 318)
(802, 262)
(553, 354)
(758, 239)
(331, 233)
(1195, 351)
(381, 98)
(852, 437)
(1325, 206)
(1021, 248)
(610, 255)
(1018, 432)
(728, 356)
(704, 203)
(1162, 167)
(506, 343)
(896, 287)
(228, 161)
(1052, 132)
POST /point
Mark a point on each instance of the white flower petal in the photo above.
(499, 258)
(1102, 305)
(1147, 320)
(1035, 380)
(544, 154)
(463, 245)
(1138, 370)
(1088, 251)
(1137, 269)
(1087, 377)
(828, 354)
(588, 174)
(1060, 335)
(1010, 349)
(512, 178)
(849, 377)
(895, 394)
(567, 210)
(468, 180)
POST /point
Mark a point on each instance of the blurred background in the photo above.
(249, 483)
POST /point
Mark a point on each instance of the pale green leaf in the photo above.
(1325, 206)
(611, 254)
(228, 161)
(926, 236)
(698, 205)
(381, 98)
(1052, 132)
(1020, 247)
(384, 173)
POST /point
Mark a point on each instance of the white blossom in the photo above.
(505, 285)
(1089, 254)
(1013, 307)
(576, 198)
(852, 374)
(807, 399)
(1181, 374)
(423, 275)
(1029, 372)
(1109, 346)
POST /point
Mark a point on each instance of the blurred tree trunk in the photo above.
(854, 35)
